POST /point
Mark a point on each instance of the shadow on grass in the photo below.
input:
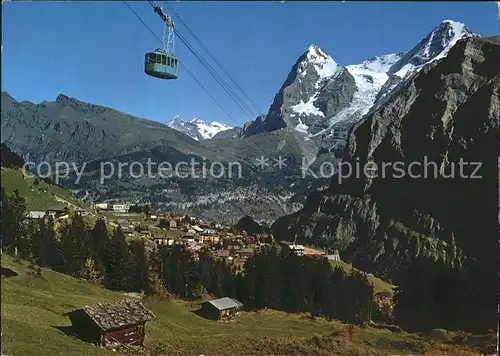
(7, 272)
(67, 330)
(71, 332)
(201, 314)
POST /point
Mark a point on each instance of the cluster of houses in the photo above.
(57, 211)
(117, 208)
(169, 229)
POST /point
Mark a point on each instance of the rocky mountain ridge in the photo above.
(324, 99)
(446, 113)
(92, 136)
(69, 130)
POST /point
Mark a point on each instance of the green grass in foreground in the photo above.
(33, 308)
(38, 197)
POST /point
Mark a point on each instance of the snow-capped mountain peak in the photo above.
(209, 130)
(323, 99)
(323, 64)
(433, 47)
(197, 128)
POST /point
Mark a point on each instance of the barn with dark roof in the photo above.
(114, 323)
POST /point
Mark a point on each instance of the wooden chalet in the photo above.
(112, 324)
(57, 210)
(220, 309)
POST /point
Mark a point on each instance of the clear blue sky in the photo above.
(94, 50)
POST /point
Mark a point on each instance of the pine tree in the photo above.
(291, 295)
(274, 291)
(43, 244)
(415, 308)
(140, 273)
(115, 261)
(362, 297)
(10, 158)
(98, 241)
(74, 248)
(90, 271)
(39, 250)
(53, 255)
(180, 272)
(12, 223)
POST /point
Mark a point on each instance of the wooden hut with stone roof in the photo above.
(112, 324)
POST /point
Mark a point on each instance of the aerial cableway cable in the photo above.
(178, 16)
(217, 77)
(232, 94)
(183, 65)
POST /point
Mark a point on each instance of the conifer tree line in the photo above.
(74, 248)
(428, 294)
(9, 158)
(279, 279)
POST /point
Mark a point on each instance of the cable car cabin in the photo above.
(161, 65)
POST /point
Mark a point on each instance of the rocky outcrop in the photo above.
(231, 133)
(316, 89)
(446, 114)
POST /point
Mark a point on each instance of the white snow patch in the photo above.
(324, 65)
(380, 64)
(407, 68)
(368, 84)
(209, 130)
(197, 127)
(428, 45)
(301, 127)
(369, 77)
(308, 108)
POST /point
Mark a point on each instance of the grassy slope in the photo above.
(378, 284)
(33, 308)
(36, 198)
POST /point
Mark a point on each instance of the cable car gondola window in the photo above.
(163, 56)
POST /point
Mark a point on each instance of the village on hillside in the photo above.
(232, 243)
